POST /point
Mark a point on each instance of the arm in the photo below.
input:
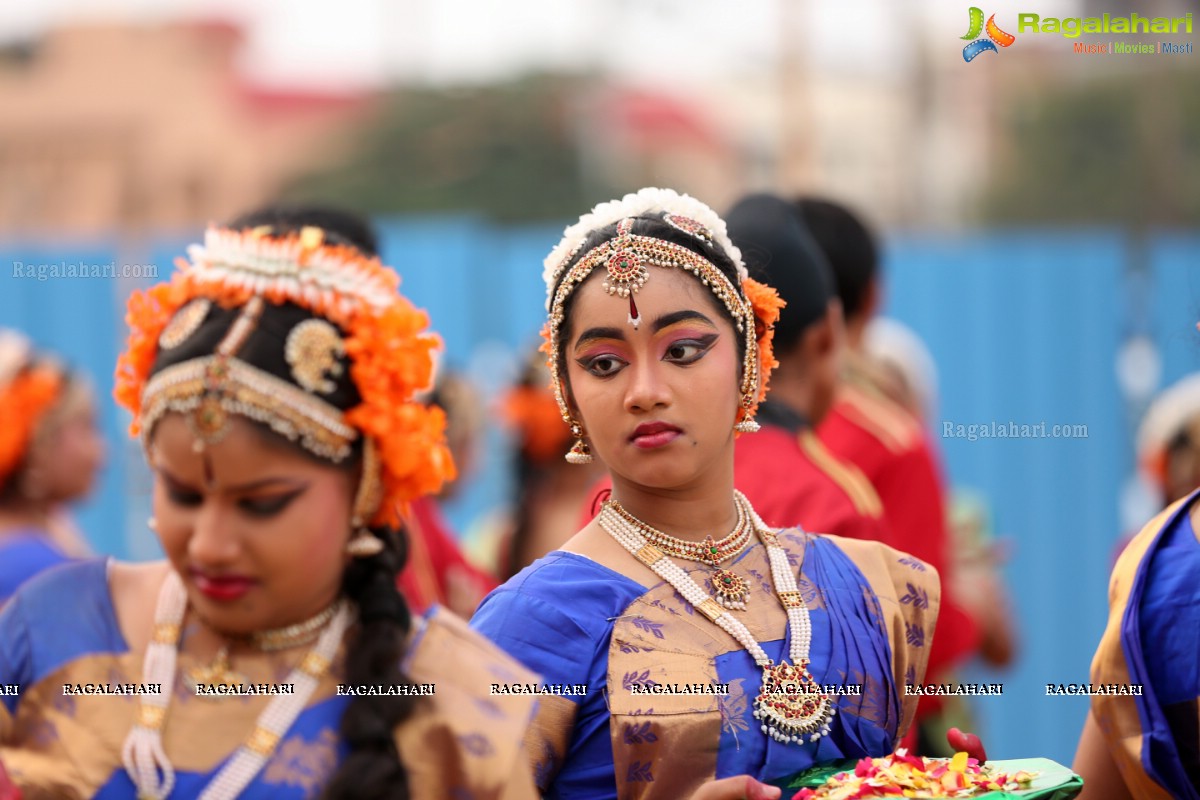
(1093, 762)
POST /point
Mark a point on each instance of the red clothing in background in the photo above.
(890, 447)
(432, 555)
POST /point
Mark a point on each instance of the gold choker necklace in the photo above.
(729, 589)
(268, 641)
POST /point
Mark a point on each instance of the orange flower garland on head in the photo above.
(387, 341)
(23, 405)
(767, 304)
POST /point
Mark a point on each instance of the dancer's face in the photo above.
(69, 452)
(658, 403)
(257, 530)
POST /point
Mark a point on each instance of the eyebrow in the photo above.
(660, 323)
(667, 320)
(599, 333)
(245, 487)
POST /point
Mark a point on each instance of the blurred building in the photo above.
(117, 127)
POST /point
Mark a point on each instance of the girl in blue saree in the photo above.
(1146, 746)
(711, 647)
(273, 383)
(50, 452)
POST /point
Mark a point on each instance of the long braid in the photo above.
(373, 768)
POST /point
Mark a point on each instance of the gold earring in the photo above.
(364, 544)
(579, 453)
(748, 425)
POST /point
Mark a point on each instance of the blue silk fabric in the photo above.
(575, 621)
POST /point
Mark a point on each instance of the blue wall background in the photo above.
(1024, 325)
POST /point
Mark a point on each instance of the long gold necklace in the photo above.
(791, 705)
(730, 589)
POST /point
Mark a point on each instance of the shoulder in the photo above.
(58, 616)
(465, 738)
(56, 592)
(1137, 552)
(556, 615)
(23, 557)
(883, 420)
(845, 475)
(445, 638)
(888, 570)
(535, 595)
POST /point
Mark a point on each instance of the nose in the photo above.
(648, 388)
(213, 541)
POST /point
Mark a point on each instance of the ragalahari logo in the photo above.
(995, 36)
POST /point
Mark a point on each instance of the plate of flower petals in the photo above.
(903, 775)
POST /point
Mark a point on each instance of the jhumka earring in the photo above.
(748, 425)
(364, 544)
(579, 453)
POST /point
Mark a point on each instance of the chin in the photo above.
(661, 475)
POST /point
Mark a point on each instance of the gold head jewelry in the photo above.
(360, 324)
(312, 351)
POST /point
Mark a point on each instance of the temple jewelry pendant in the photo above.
(219, 672)
(730, 589)
(791, 706)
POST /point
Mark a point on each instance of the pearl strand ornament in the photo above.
(143, 753)
(791, 705)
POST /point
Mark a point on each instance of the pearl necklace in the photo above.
(791, 705)
(143, 753)
(730, 589)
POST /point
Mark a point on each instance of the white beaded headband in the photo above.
(645, 201)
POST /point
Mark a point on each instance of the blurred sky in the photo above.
(371, 42)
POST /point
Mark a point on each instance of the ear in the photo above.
(824, 337)
(872, 299)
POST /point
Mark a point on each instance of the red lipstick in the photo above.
(650, 435)
(224, 588)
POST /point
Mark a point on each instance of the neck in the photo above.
(855, 332)
(701, 508)
(23, 514)
(790, 387)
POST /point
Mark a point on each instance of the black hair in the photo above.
(849, 248)
(779, 251)
(373, 768)
(341, 227)
(651, 224)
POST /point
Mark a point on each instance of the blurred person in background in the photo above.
(1168, 441)
(660, 346)
(50, 454)
(886, 442)
(273, 382)
(905, 370)
(438, 572)
(907, 373)
(549, 491)
(784, 469)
